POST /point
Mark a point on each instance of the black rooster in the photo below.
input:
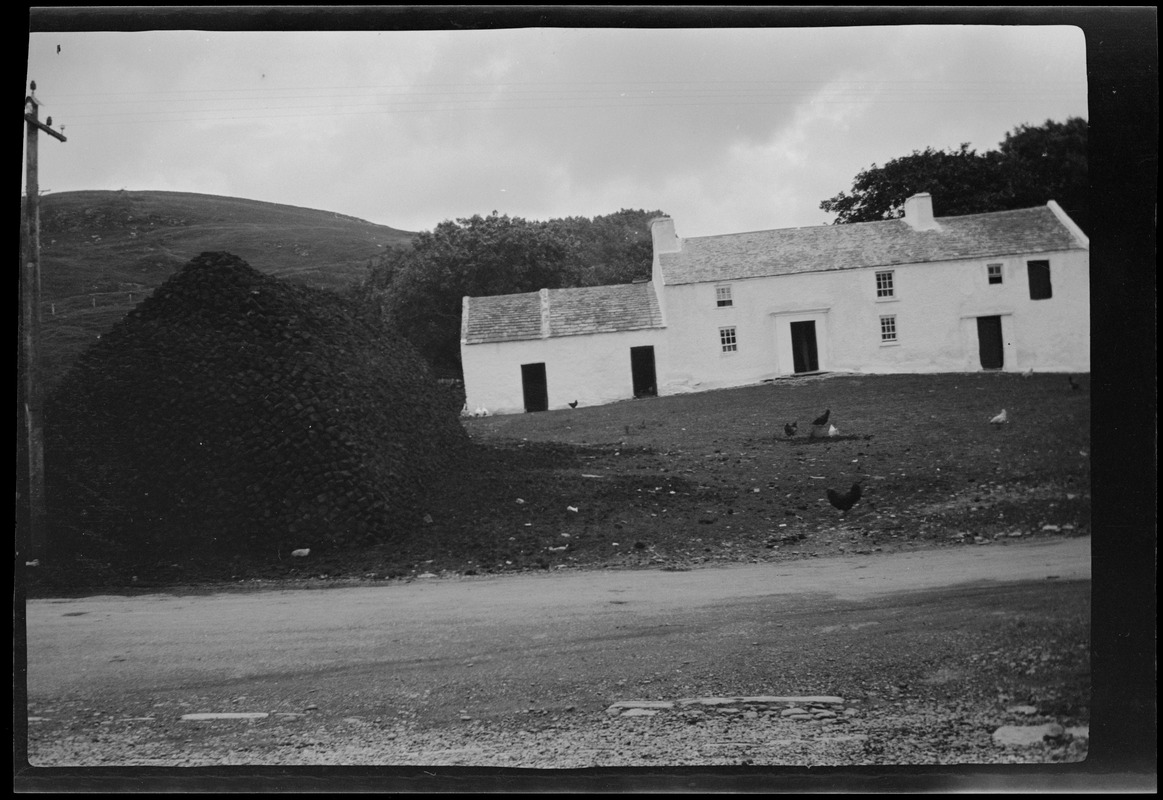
(1073, 385)
(844, 502)
(573, 404)
(823, 418)
(790, 428)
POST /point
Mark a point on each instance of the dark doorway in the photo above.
(989, 342)
(535, 387)
(803, 347)
(642, 371)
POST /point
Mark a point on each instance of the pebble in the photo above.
(639, 712)
(1026, 735)
(811, 708)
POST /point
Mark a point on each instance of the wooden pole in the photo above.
(31, 418)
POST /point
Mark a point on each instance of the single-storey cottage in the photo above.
(1007, 290)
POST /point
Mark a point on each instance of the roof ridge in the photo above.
(862, 222)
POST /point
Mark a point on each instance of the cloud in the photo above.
(727, 129)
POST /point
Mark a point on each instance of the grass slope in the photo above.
(710, 478)
(102, 252)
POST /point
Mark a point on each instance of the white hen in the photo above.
(1000, 419)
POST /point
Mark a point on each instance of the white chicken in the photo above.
(1000, 419)
(833, 430)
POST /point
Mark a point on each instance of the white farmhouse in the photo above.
(1008, 290)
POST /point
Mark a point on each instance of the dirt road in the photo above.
(372, 674)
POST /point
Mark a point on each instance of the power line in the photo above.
(503, 103)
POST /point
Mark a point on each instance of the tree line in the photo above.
(419, 288)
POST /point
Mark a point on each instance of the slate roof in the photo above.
(589, 309)
(865, 244)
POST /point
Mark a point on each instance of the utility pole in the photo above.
(30, 423)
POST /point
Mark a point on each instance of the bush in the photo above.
(232, 411)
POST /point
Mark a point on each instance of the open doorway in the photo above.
(805, 357)
(535, 387)
(989, 342)
(642, 371)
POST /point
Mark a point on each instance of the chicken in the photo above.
(790, 428)
(833, 430)
(1073, 384)
(845, 501)
(1028, 372)
(823, 418)
(1000, 419)
(573, 404)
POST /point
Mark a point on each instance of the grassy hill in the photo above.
(102, 252)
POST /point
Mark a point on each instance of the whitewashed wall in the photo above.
(935, 305)
(591, 369)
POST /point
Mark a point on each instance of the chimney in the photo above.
(662, 233)
(544, 297)
(919, 212)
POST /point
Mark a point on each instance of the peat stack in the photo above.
(232, 411)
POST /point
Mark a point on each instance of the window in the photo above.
(888, 329)
(723, 296)
(884, 284)
(994, 273)
(1039, 272)
(727, 340)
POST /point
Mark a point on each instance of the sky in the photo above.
(725, 129)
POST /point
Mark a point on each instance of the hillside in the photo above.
(102, 252)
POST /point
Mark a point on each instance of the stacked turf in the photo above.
(232, 411)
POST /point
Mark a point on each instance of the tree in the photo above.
(419, 289)
(1049, 162)
(615, 248)
(1032, 165)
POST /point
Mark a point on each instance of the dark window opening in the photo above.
(1040, 288)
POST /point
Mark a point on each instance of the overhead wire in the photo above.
(285, 103)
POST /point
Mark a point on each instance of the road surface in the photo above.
(439, 652)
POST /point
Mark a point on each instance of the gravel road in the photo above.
(919, 658)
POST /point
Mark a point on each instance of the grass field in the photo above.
(676, 482)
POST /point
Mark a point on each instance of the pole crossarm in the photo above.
(31, 120)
